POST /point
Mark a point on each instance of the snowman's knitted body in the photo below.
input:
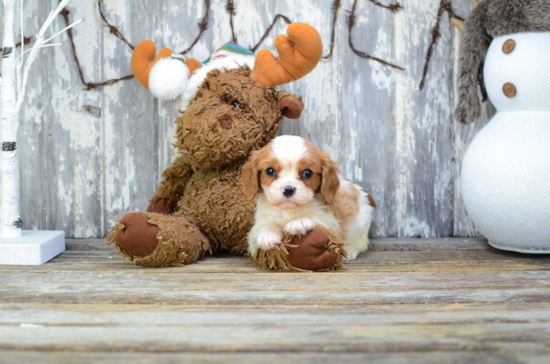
(506, 169)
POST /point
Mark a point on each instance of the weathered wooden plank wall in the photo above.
(89, 155)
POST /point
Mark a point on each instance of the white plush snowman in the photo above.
(506, 170)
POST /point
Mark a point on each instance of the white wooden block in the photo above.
(34, 247)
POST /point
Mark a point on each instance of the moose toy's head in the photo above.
(233, 107)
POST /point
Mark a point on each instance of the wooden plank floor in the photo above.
(407, 300)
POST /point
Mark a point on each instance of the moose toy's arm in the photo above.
(472, 49)
(174, 179)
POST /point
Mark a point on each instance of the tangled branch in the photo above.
(392, 7)
(112, 29)
(230, 8)
(445, 6)
(268, 30)
(203, 26)
(335, 7)
(351, 22)
(89, 85)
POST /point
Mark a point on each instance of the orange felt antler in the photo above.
(299, 53)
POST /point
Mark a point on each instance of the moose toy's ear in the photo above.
(165, 74)
(290, 105)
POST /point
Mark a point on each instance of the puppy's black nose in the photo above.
(288, 191)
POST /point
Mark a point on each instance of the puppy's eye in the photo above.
(270, 172)
(236, 104)
(307, 173)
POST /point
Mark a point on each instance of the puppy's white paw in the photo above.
(299, 226)
(352, 253)
(269, 239)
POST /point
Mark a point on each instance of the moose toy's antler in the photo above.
(299, 53)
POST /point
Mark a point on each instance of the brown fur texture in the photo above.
(174, 179)
(346, 207)
(204, 185)
(330, 183)
(371, 200)
(203, 144)
(488, 20)
(215, 201)
(160, 205)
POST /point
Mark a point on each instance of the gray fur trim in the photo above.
(488, 20)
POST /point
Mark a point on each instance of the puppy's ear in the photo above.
(290, 105)
(329, 179)
(250, 176)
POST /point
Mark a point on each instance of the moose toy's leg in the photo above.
(318, 250)
(153, 239)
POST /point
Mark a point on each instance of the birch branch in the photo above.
(15, 74)
(41, 42)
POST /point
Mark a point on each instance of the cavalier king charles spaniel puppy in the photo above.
(299, 188)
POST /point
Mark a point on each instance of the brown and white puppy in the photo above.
(299, 189)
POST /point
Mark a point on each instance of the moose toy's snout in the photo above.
(225, 122)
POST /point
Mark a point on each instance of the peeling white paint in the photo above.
(381, 74)
(414, 228)
(95, 162)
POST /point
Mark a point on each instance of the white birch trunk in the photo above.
(10, 222)
(12, 89)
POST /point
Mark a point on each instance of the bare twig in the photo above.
(268, 30)
(26, 40)
(335, 7)
(230, 8)
(89, 85)
(393, 7)
(444, 6)
(114, 30)
(351, 22)
(203, 25)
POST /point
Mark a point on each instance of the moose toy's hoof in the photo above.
(310, 252)
(158, 240)
(137, 237)
(318, 250)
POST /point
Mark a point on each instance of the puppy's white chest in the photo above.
(282, 217)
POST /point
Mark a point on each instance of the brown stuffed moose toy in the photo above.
(232, 110)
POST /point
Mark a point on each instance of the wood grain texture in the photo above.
(10, 356)
(368, 108)
(89, 155)
(407, 300)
